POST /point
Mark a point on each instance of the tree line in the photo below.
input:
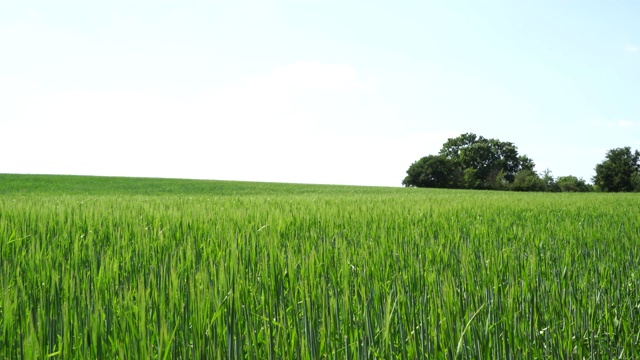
(470, 161)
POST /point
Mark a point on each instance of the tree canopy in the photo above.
(491, 159)
(469, 161)
(620, 171)
(434, 171)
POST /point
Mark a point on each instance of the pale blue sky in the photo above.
(341, 92)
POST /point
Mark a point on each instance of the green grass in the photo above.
(156, 268)
(97, 185)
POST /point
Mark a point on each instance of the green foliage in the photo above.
(434, 171)
(573, 184)
(316, 272)
(492, 160)
(475, 162)
(528, 180)
(564, 183)
(471, 179)
(550, 183)
(619, 171)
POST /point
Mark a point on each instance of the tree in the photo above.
(572, 184)
(528, 180)
(486, 163)
(549, 182)
(469, 161)
(619, 171)
(434, 171)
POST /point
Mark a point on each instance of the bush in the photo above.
(528, 180)
(573, 184)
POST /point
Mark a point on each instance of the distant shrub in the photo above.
(573, 184)
(527, 180)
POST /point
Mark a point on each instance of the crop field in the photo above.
(104, 268)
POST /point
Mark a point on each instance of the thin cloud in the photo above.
(632, 48)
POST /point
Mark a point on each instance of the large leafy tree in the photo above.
(487, 163)
(469, 161)
(619, 171)
(434, 171)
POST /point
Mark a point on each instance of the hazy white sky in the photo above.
(311, 91)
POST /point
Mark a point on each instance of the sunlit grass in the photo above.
(339, 272)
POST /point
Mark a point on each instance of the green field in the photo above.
(103, 268)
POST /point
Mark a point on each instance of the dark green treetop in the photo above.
(620, 171)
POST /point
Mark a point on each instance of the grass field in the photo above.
(103, 268)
